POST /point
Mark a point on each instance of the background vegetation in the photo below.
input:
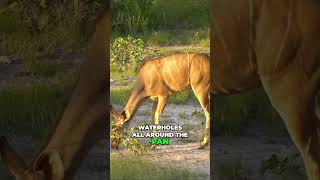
(43, 35)
(39, 43)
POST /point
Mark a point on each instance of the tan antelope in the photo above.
(276, 44)
(82, 123)
(159, 78)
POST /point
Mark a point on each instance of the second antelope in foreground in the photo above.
(159, 78)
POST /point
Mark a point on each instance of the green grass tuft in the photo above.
(120, 95)
(137, 168)
(32, 108)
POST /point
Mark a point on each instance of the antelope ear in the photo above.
(51, 164)
(11, 158)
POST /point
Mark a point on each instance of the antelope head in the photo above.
(47, 166)
(118, 130)
(120, 119)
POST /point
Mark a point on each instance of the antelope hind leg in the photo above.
(202, 94)
(298, 110)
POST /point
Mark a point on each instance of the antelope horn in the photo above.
(11, 158)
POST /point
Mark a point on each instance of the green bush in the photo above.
(126, 53)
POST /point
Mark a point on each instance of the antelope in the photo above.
(82, 123)
(159, 78)
(274, 44)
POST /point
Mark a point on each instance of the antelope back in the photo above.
(175, 72)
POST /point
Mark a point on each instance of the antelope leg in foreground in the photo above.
(273, 44)
(83, 120)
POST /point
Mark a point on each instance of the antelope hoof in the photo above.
(152, 147)
(203, 145)
(114, 145)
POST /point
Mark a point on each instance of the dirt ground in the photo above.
(249, 150)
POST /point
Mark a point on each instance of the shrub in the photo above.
(126, 53)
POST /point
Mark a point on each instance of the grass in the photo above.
(187, 127)
(182, 97)
(32, 108)
(172, 23)
(284, 166)
(120, 95)
(4, 174)
(196, 37)
(142, 16)
(116, 75)
(199, 37)
(182, 116)
(232, 114)
(34, 43)
(232, 170)
(136, 168)
(278, 167)
(182, 14)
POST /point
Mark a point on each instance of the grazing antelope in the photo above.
(276, 44)
(82, 123)
(159, 78)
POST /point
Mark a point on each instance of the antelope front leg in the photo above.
(162, 101)
(294, 97)
(206, 137)
(157, 109)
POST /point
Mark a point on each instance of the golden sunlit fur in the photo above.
(159, 78)
(275, 44)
